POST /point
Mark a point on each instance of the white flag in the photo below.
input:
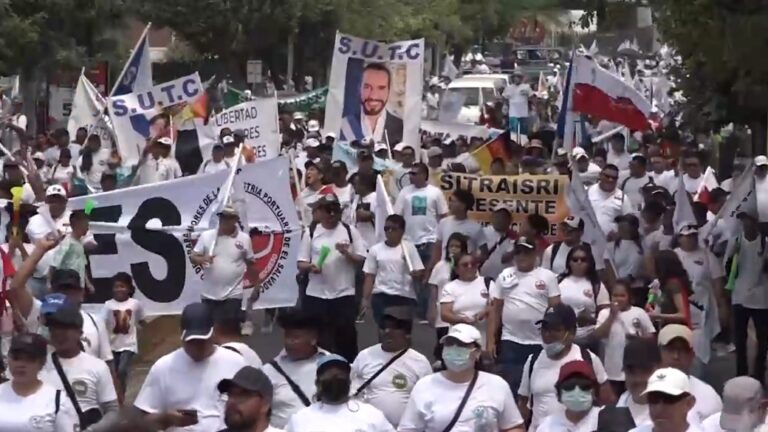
(88, 111)
(683, 215)
(383, 208)
(578, 202)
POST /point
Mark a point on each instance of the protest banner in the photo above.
(150, 231)
(521, 194)
(88, 111)
(135, 116)
(375, 90)
(258, 119)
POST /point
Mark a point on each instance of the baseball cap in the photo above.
(673, 331)
(434, 152)
(402, 146)
(298, 115)
(501, 206)
(52, 302)
(525, 244)
(311, 143)
(576, 367)
(228, 139)
(29, 344)
(761, 160)
(464, 333)
(196, 322)
(560, 315)
(313, 126)
(380, 146)
(688, 230)
(573, 222)
(740, 395)
(339, 165)
(669, 381)
(238, 133)
(250, 379)
(38, 156)
(330, 135)
(579, 153)
(228, 210)
(399, 313)
(638, 157)
(218, 145)
(67, 315)
(167, 141)
(329, 199)
(65, 278)
(326, 361)
(54, 190)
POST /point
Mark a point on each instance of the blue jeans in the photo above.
(511, 361)
(514, 122)
(381, 301)
(122, 361)
(422, 290)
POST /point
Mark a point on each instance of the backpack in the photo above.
(585, 355)
(313, 227)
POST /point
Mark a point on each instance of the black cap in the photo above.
(65, 278)
(614, 419)
(29, 344)
(250, 379)
(525, 244)
(400, 317)
(364, 153)
(66, 316)
(239, 133)
(641, 353)
(196, 322)
(560, 315)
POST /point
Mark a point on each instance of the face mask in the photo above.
(577, 399)
(554, 348)
(457, 358)
(334, 389)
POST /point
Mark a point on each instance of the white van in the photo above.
(476, 91)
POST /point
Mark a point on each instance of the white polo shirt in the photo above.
(89, 377)
(224, 277)
(389, 267)
(36, 412)
(607, 206)
(353, 416)
(337, 278)
(526, 297)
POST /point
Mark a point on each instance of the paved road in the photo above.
(267, 345)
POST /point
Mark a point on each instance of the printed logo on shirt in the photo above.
(540, 285)
(42, 422)
(80, 388)
(485, 418)
(419, 205)
(588, 293)
(239, 245)
(399, 381)
(122, 320)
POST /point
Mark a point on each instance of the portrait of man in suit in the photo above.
(373, 118)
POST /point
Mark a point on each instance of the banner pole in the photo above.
(228, 189)
(389, 148)
(390, 211)
(295, 170)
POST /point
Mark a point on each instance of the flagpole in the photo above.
(228, 188)
(295, 170)
(125, 66)
(390, 211)
(389, 149)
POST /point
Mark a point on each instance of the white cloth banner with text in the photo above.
(258, 119)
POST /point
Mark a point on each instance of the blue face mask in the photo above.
(553, 349)
(577, 399)
(457, 358)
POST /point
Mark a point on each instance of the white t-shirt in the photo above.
(666, 180)
(95, 337)
(469, 299)
(558, 265)
(367, 229)
(249, 355)
(579, 294)
(558, 422)
(176, 381)
(517, 98)
(168, 168)
(526, 297)
(471, 229)
(751, 287)
(632, 187)
(433, 403)
(389, 267)
(89, 377)
(285, 403)
(62, 174)
(692, 184)
(421, 209)
(541, 385)
(493, 266)
(306, 197)
(635, 322)
(620, 160)
(627, 258)
(224, 277)
(761, 190)
(352, 416)
(607, 206)
(337, 278)
(390, 391)
(345, 195)
(122, 319)
(440, 276)
(708, 402)
(210, 166)
(36, 412)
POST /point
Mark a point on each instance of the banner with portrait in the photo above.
(150, 232)
(521, 194)
(375, 90)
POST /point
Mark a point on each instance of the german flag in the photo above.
(499, 147)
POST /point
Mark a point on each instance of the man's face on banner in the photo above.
(375, 91)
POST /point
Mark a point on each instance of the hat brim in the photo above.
(663, 388)
(466, 340)
(227, 214)
(196, 334)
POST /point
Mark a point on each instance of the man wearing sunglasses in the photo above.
(670, 399)
(608, 200)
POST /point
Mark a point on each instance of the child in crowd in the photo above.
(617, 324)
(123, 315)
(70, 254)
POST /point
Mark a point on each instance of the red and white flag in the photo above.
(707, 184)
(606, 96)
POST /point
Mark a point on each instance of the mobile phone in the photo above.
(188, 413)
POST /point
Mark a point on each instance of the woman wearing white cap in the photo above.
(461, 398)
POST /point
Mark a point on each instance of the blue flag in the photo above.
(137, 72)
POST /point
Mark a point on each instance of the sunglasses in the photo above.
(568, 386)
(610, 177)
(579, 259)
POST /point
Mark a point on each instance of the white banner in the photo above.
(131, 113)
(375, 90)
(150, 232)
(258, 119)
(87, 110)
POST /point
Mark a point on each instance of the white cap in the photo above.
(313, 126)
(401, 146)
(167, 140)
(579, 153)
(669, 381)
(38, 156)
(670, 332)
(311, 142)
(228, 139)
(572, 221)
(761, 160)
(330, 135)
(298, 115)
(379, 146)
(465, 333)
(688, 230)
(56, 190)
